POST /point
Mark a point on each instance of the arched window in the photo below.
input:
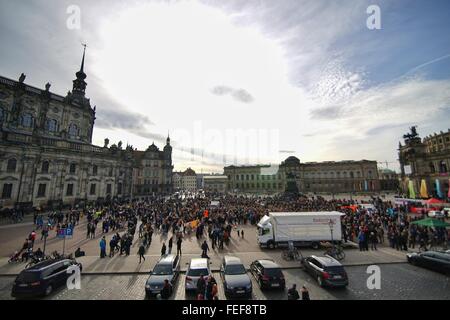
(26, 120)
(73, 130)
(51, 125)
(432, 168)
(45, 166)
(443, 167)
(11, 166)
(72, 168)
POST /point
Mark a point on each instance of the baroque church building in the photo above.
(47, 158)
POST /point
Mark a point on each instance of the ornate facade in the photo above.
(46, 153)
(428, 160)
(292, 175)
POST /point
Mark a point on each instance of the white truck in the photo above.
(302, 228)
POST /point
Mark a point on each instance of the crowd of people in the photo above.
(215, 225)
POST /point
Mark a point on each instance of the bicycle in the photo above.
(291, 255)
(336, 252)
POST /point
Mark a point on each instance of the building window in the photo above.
(92, 191)
(11, 166)
(7, 191)
(69, 190)
(41, 190)
(45, 167)
(73, 130)
(432, 168)
(72, 168)
(94, 170)
(352, 175)
(26, 120)
(2, 114)
(108, 188)
(51, 125)
(443, 167)
(110, 172)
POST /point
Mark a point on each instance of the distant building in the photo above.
(428, 160)
(292, 175)
(389, 180)
(215, 183)
(185, 181)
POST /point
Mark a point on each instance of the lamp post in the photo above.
(331, 225)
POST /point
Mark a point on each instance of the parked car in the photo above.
(167, 268)
(436, 214)
(328, 271)
(236, 281)
(268, 274)
(434, 260)
(196, 268)
(42, 278)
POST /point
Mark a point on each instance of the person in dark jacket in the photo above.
(201, 285)
(141, 252)
(305, 293)
(179, 242)
(163, 249)
(293, 293)
(205, 249)
(167, 290)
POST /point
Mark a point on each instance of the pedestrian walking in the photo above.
(205, 249)
(141, 252)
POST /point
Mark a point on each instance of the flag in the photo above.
(438, 189)
(412, 193)
(448, 195)
(423, 189)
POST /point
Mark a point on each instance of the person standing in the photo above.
(293, 293)
(166, 292)
(163, 249)
(179, 242)
(205, 249)
(305, 293)
(103, 247)
(141, 252)
(170, 244)
(201, 286)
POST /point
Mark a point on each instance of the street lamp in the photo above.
(331, 225)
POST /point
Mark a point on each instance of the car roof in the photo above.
(44, 264)
(232, 260)
(268, 263)
(197, 263)
(327, 261)
(167, 259)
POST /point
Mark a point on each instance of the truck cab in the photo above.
(265, 235)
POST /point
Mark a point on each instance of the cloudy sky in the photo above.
(243, 81)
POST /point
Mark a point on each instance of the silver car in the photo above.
(197, 267)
